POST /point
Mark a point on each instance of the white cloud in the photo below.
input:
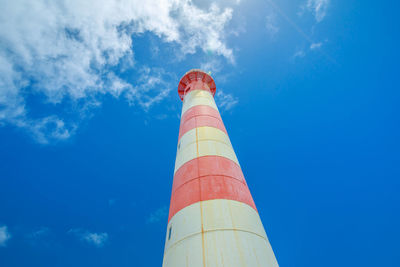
(41, 237)
(47, 129)
(314, 46)
(203, 29)
(302, 51)
(96, 239)
(158, 215)
(4, 236)
(225, 101)
(64, 51)
(153, 85)
(299, 53)
(271, 24)
(213, 65)
(318, 8)
(43, 231)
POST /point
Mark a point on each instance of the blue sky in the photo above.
(89, 118)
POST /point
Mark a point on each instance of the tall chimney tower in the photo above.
(212, 220)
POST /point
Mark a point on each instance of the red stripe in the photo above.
(200, 121)
(209, 177)
(205, 166)
(187, 126)
(206, 178)
(199, 116)
(208, 188)
(200, 110)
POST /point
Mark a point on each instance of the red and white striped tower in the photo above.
(212, 220)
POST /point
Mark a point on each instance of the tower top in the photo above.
(195, 75)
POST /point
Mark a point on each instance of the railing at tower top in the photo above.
(195, 75)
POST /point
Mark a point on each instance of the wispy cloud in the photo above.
(299, 53)
(212, 65)
(158, 215)
(271, 24)
(47, 129)
(96, 239)
(4, 236)
(318, 8)
(40, 237)
(302, 51)
(43, 231)
(225, 101)
(314, 46)
(289, 20)
(153, 85)
(71, 53)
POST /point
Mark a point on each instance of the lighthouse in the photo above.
(212, 220)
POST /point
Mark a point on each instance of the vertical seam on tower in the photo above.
(201, 204)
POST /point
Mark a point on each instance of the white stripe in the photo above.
(196, 98)
(230, 232)
(204, 148)
(203, 141)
